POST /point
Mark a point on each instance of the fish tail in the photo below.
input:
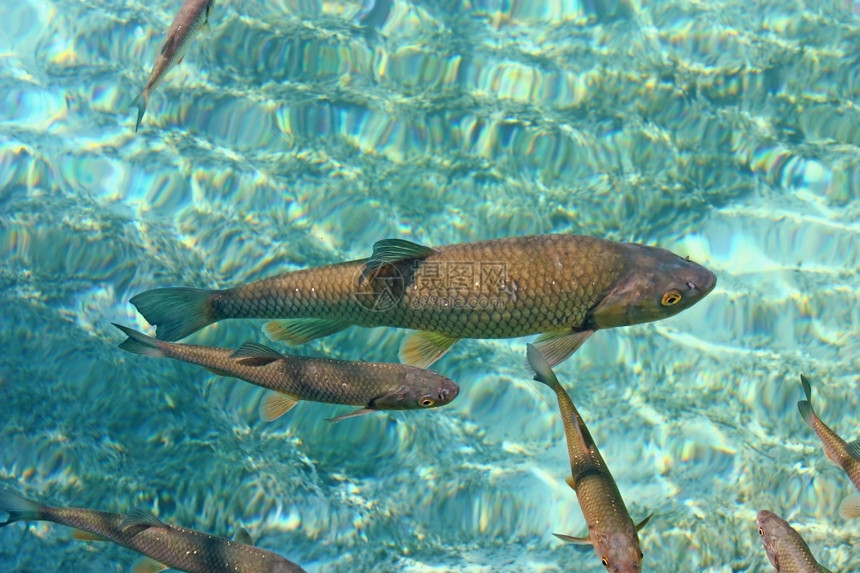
(140, 102)
(19, 508)
(543, 371)
(805, 406)
(139, 343)
(176, 312)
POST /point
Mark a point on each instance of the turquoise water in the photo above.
(298, 133)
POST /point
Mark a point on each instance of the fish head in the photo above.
(420, 389)
(770, 527)
(657, 284)
(618, 551)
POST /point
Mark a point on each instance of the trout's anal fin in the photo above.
(423, 348)
(148, 565)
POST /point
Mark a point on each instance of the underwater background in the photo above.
(298, 133)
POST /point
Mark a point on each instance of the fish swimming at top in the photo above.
(785, 548)
(171, 546)
(563, 287)
(372, 385)
(610, 529)
(193, 16)
(844, 454)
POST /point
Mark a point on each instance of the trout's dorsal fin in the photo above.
(578, 540)
(423, 348)
(853, 449)
(558, 345)
(255, 354)
(242, 536)
(139, 519)
(276, 404)
(148, 565)
(353, 414)
(390, 251)
(295, 331)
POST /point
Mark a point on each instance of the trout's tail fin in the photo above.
(139, 343)
(18, 507)
(805, 406)
(543, 371)
(140, 103)
(175, 312)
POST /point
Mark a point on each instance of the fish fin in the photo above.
(274, 405)
(642, 523)
(423, 348)
(569, 481)
(823, 569)
(850, 506)
(540, 366)
(148, 565)
(578, 540)
(390, 251)
(206, 29)
(853, 449)
(295, 331)
(139, 519)
(82, 535)
(140, 102)
(353, 414)
(806, 412)
(242, 536)
(219, 372)
(807, 388)
(176, 312)
(19, 507)
(558, 346)
(255, 354)
(179, 61)
(139, 343)
(168, 43)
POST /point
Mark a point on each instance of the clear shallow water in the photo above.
(293, 136)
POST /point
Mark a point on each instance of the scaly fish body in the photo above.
(610, 528)
(843, 454)
(192, 17)
(563, 286)
(176, 547)
(372, 385)
(785, 548)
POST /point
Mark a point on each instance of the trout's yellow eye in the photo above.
(760, 531)
(426, 402)
(605, 561)
(671, 298)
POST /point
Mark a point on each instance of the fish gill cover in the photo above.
(298, 133)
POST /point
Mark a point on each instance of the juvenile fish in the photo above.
(193, 16)
(372, 385)
(610, 529)
(785, 548)
(171, 546)
(562, 286)
(843, 454)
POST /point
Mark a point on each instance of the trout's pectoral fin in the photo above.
(578, 540)
(295, 331)
(642, 523)
(557, 346)
(242, 536)
(391, 251)
(275, 404)
(148, 565)
(359, 412)
(82, 535)
(853, 449)
(254, 354)
(850, 506)
(169, 45)
(139, 519)
(423, 348)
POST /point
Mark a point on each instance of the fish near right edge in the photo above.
(785, 548)
(611, 530)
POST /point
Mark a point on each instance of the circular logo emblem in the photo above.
(378, 289)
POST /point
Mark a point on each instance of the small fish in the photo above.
(610, 529)
(785, 548)
(168, 545)
(563, 287)
(372, 385)
(843, 454)
(193, 17)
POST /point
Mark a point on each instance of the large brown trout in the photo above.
(372, 385)
(172, 546)
(562, 286)
(610, 529)
(843, 454)
(192, 17)
(785, 548)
